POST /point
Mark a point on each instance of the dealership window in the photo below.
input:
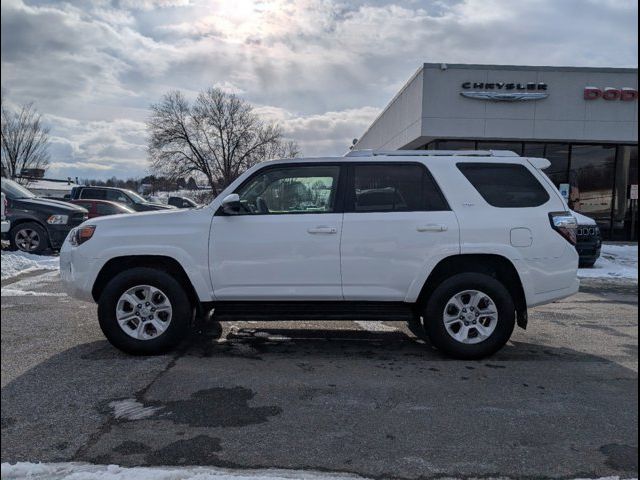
(592, 177)
(535, 150)
(456, 145)
(625, 176)
(512, 146)
(558, 155)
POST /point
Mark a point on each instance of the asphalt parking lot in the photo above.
(368, 398)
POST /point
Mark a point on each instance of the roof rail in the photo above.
(431, 153)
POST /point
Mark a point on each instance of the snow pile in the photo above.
(616, 261)
(76, 471)
(15, 263)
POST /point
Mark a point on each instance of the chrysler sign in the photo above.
(504, 91)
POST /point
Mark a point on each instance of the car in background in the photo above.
(100, 208)
(38, 224)
(6, 224)
(181, 202)
(589, 240)
(119, 195)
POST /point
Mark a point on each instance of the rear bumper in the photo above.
(554, 295)
(589, 252)
(6, 225)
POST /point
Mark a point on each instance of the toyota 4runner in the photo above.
(459, 244)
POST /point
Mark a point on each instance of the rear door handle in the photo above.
(323, 230)
(432, 228)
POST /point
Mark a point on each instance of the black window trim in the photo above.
(349, 201)
(338, 201)
(504, 164)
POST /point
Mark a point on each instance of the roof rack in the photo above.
(431, 153)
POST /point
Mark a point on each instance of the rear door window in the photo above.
(106, 209)
(505, 185)
(95, 193)
(117, 196)
(394, 188)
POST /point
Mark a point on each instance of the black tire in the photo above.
(433, 316)
(587, 264)
(17, 235)
(182, 311)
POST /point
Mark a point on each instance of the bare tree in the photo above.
(25, 140)
(218, 136)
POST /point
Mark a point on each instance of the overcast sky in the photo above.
(323, 68)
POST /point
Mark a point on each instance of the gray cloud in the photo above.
(323, 68)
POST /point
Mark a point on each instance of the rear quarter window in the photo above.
(505, 185)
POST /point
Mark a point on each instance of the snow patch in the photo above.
(12, 292)
(23, 288)
(75, 471)
(15, 263)
(85, 471)
(375, 326)
(616, 261)
(131, 409)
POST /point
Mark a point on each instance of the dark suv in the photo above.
(38, 224)
(120, 195)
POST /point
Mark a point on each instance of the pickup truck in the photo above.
(6, 224)
(120, 195)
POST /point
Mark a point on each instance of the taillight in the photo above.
(566, 225)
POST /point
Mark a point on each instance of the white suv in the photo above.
(460, 244)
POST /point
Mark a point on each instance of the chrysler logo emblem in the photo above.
(505, 91)
(505, 96)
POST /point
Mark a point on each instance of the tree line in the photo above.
(212, 139)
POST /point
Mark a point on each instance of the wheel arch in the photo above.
(497, 266)
(21, 220)
(159, 262)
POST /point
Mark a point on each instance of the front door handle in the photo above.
(325, 230)
(432, 228)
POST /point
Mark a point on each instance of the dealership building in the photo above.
(584, 120)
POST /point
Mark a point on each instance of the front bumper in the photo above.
(77, 272)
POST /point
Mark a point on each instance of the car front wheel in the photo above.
(29, 237)
(144, 311)
(470, 316)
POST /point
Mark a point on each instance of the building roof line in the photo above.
(470, 66)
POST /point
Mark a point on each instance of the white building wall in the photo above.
(400, 122)
(430, 106)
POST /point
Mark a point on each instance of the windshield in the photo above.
(135, 197)
(14, 191)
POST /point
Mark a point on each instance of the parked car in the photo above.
(100, 208)
(181, 202)
(470, 241)
(589, 239)
(6, 224)
(38, 224)
(120, 195)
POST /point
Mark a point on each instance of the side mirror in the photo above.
(231, 204)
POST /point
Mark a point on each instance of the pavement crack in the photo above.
(112, 420)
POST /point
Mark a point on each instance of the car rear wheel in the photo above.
(144, 311)
(470, 316)
(29, 237)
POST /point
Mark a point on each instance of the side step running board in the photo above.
(283, 311)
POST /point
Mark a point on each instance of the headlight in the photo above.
(58, 219)
(79, 235)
